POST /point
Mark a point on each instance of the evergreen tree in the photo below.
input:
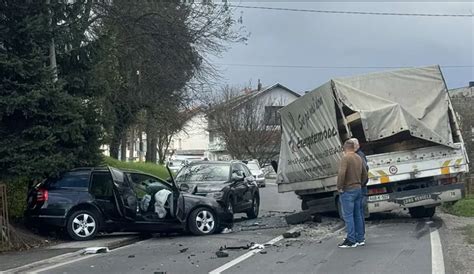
(44, 128)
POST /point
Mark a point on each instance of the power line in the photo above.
(333, 67)
(350, 12)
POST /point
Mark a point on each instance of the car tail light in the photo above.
(42, 195)
(373, 191)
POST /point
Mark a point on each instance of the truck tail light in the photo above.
(448, 181)
(42, 195)
(374, 191)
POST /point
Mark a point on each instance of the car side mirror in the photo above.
(184, 187)
(237, 178)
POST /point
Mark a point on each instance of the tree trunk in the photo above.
(123, 150)
(115, 145)
(151, 141)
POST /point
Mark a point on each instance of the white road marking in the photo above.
(437, 260)
(248, 254)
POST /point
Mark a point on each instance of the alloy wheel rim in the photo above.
(205, 221)
(83, 225)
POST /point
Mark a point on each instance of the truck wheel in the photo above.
(304, 205)
(339, 208)
(421, 212)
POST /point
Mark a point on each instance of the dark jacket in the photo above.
(364, 162)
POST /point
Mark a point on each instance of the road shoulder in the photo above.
(457, 251)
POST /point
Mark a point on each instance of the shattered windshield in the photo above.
(204, 173)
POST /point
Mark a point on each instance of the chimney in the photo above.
(259, 85)
(471, 84)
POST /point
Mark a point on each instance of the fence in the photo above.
(4, 225)
(469, 183)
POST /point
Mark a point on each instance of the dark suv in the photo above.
(85, 201)
(230, 183)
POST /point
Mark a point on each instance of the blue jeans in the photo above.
(362, 209)
(351, 201)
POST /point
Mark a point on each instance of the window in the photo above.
(246, 170)
(272, 116)
(101, 185)
(73, 179)
(143, 184)
(203, 173)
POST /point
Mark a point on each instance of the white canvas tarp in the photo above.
(414, 100)
(310, 144)
(408, 100)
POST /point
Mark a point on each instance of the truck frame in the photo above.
(406, 170)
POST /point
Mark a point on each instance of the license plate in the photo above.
(377, 198)
(415, 199)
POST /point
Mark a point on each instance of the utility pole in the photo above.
(52, 48)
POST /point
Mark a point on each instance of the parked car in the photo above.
(230, 183)
(85, 201)
(257, 172)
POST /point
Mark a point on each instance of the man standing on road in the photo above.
(364, 209)
(349, 180)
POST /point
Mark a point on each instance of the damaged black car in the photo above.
(85, 201)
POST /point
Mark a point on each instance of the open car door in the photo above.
(125, 197)
(180, 210)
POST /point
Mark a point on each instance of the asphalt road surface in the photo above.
(395, 244)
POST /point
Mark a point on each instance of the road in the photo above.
(395, 244)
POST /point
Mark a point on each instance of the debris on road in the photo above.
(257, 246)
(95, 250)
(226, 231)
(263, 252)
(298, 218)
(131, 256)
(183, 250)
(222, 254)
(294, 234)
(236, 247)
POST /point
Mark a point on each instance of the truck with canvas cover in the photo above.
(406, 126)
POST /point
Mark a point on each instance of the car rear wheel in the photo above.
(202, 221)
(252, 213)
(82, 225)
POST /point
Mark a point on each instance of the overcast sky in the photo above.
(285, 38)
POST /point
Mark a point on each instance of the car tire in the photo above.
(82, 225)
(230, 205)
(422, 212)
(252, 213)
(202, 221)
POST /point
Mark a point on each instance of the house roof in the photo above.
(252, 94)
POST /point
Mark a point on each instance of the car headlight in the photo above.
(216, 195)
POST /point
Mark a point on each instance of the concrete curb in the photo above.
(71, 255)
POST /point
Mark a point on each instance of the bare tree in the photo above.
(248, 124)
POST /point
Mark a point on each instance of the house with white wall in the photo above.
(270, 100)
(193, 140)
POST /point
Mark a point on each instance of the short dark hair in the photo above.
(349, 144)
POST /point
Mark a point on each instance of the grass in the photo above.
(469, 232)
(150, 168)
(463, 207)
